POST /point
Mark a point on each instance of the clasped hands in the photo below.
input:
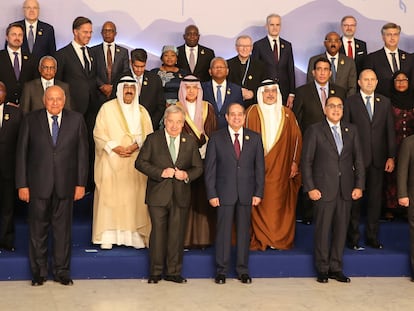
(125, 152)
(170, 172)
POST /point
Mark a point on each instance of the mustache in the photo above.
(129, 93)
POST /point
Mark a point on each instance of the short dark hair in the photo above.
(139, 55)
(390, 26)
(323, 60)
(14, 25)
(233, 104)
(79, 21)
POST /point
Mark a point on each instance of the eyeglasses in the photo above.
(333, 106)
(401, 80)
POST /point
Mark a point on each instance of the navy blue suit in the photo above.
(233, 94)
(45, 43)
(284, 71)
(234, 181)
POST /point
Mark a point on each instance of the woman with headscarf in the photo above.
(402, 100)
(200, 122)
(169, 73)
(274, 219)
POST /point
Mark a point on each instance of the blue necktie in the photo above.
(338, 140)
(16, 65)
(55, 129)
(30, 39)
(368, 105)
(333, 68)
(219, 99)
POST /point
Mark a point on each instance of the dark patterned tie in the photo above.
(236, 145)
(109, 64)
(30, 39)
(275, 52)
(85, 60)
(16, 65)
(55, 129)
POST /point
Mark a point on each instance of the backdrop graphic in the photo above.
(154, 23)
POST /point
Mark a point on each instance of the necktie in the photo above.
(16, 65)
(55, 129)
(236, 145)
(394, 62)
(275, 53)
(323, 97)
(350, 53)
(219, 99)
(85, 60)
(171, 147)
(333, 68)
(109, 63)
(192, 60)
(30, 39)
(48, 83)
(338, 140)
(368, 105)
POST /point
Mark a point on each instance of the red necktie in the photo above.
(236, 145)
(350, 53)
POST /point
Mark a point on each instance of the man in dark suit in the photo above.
(219, 91)
(279, 61)
(193, 57)
(10, 118)
(32, 95)
(17, 66)
(405, 182)
(309, 108)
(234, 177)
(111, 62)
(77, 67)
(372, 115)
(39, 37)
(351, 46)
(51, 172)
(171, 160)
(389, 59)
(333, 175)
(309, 102)
(150, 90)
(343, 69)
(245, 70)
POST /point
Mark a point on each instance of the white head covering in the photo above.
(272, 114)
(130, 111)
(182, 94)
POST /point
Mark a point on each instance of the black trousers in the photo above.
(56, 215)
(372, 199)
(225, 217)
(331, 223)
(7, 205)
(167, 238)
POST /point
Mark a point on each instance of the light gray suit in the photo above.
(32, 96)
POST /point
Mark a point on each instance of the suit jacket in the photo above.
(28, 71)
(82, 84)
(233, 180)
(32, 95)
(154, 157)
(378, 62)
(346, 76)
(284, 70)
(326, 170)
(255, 74)
(377, 136)
(120, 65)
(405, 175)
(45, 168)
(9, 130)
(45, 43)
(360, 53)
(204, 57)
(307, 104)
(233, 94)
